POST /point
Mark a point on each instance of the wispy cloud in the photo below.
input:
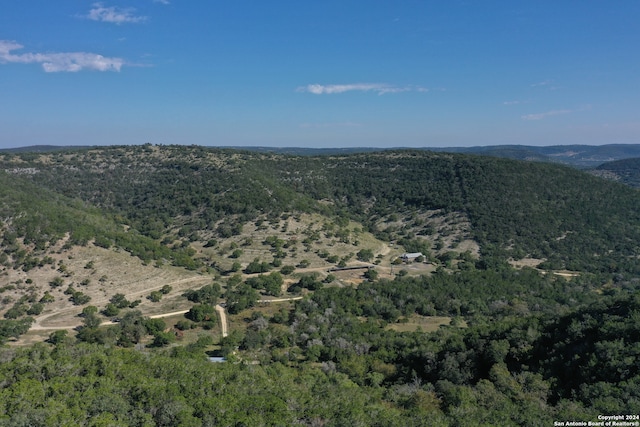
(542, 83)
(513, 102)
(161, 1)
(114, 15)
(379, 88)
(60, 61)
(546, 85)
(540, 116)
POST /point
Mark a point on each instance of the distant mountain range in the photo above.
(580, 156)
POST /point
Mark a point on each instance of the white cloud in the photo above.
(542, 83)
(62, 61)
(540, 116)
(379, 88)
(161, 1)
(546, 85)
(113, 15)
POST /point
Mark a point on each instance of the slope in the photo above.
(626, 171)
(516, 209)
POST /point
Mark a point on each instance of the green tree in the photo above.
(371, 274)
(161, 339)
(365, 255)
(57, 337)
(201, 312)
(287, 269)
(256, 266)
(111, 310)
(208, 294)
(154, 326)
(14, 328)
(79, 298)
(240, 298)
(89, 310)
(131, 328)
(56, 282)
(47, 298)
(155, 296)
(90, 319)
(35, 309)
(119, 300)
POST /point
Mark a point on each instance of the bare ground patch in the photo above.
(416, 323)
(526, 262)
(98, 273)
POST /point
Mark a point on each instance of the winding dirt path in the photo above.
(40, 322)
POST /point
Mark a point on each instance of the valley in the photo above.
(422, 285)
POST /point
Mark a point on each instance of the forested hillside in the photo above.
(517, 209)
(522, 308)
(626, 171)
(580, 156)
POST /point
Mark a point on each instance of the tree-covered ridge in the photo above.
(517, 209)
(580, 156)
(34, 219)
(155, 189)
(626, 171)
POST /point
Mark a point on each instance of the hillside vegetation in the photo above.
(515, 209)
(626, 171)
(580, 156)
(97, 240)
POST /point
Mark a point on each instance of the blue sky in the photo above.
(404, 73)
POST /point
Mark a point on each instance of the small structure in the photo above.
(409, 257)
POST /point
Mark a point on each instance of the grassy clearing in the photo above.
(267, 309)
(99, 273)
(417, 323)
(307, 239)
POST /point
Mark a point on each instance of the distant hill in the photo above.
(42, 148)
(581, 156)
(626, 171)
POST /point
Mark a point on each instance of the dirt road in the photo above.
(280, 299)
(223, 320)
(69, 316)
